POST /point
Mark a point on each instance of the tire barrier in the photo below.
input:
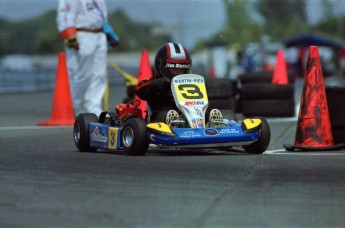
(259, 96)
(221, 92)
(219, 88)
(266, 99)
(338, 134)
(336, 99)
(228, 114)
(268, 107)
(260, 91)
(220, 103)
(262, 77)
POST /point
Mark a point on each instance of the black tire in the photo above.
(228, 114)
(256, 77)
(221, 88)
(133, 137)
(336, 100)
(338, 134)
(237, 104)
(263, 142)
(81, 131)
(224, 103)
(257, 91)
(273, 107)
(262, 77)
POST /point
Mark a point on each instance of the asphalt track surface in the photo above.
(45, 182)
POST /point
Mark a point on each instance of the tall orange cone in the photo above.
(145, 72)
(280, 73)
(313, 127)
(62, 111)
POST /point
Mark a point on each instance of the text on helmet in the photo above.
(177, 65)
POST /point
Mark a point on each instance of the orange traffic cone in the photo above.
(280, 73)
(62, 112)
(313, 127)
(145, 72)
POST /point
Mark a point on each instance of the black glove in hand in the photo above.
(72, 43)
(161, 84)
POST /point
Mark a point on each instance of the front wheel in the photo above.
(81, 131)
(263, 141)
(133, 137)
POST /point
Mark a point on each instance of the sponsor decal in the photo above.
(211, 132)
(192, 103)
(229, 131)
(198, 122)
(97, 136)
(190, 134)
(188, 80)
(152, 137)
(177, 65)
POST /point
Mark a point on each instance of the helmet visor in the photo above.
(172, 72)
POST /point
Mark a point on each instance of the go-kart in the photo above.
(128, 129)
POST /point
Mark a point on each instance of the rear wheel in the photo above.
(263, 141)
(133, 137)
(81, 131)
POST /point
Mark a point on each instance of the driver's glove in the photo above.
(161, 84)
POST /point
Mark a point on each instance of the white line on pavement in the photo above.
(316, 153)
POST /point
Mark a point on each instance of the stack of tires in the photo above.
(259, 97)
(336, 100)
(221, 94)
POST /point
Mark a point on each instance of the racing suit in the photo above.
(80, 25)
(157, 93)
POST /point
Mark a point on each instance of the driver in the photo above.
(171, 59)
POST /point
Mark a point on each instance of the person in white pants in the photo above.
(80, 26)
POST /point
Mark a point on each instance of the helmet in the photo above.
(172, 59)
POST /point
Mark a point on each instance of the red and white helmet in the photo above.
(172, 59)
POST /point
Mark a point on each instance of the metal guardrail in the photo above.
(38, 80)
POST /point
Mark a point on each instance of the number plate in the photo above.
(190, 96)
